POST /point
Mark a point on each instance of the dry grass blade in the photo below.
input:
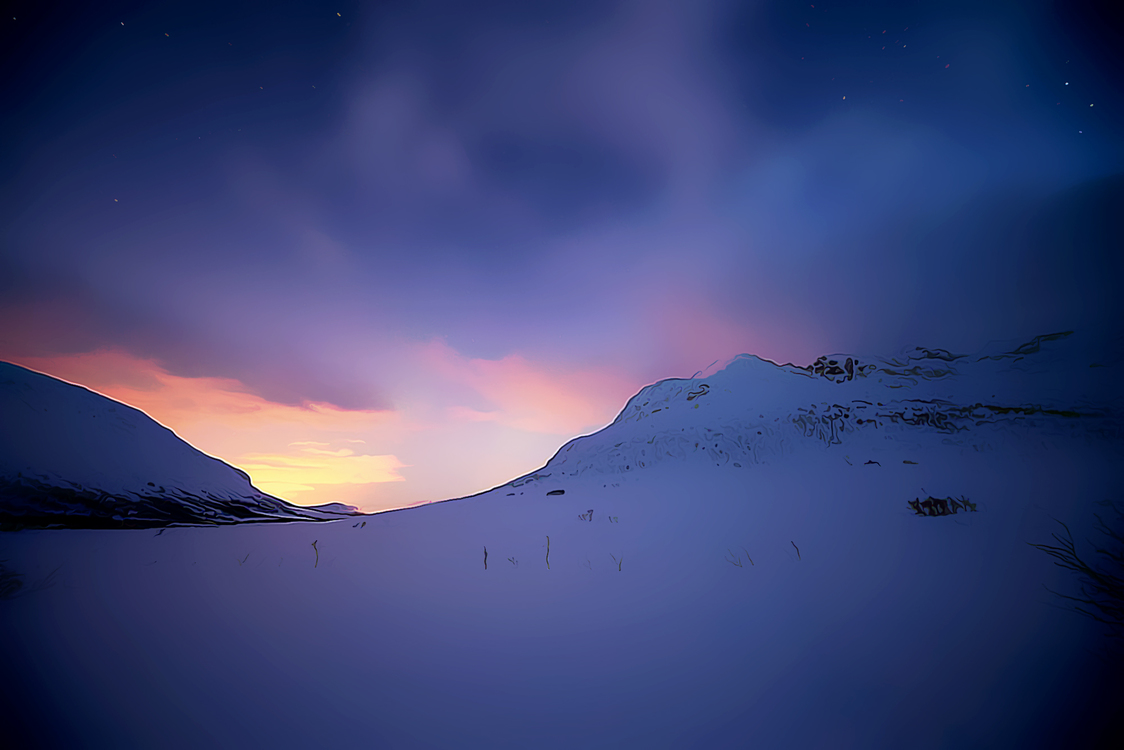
(1102, 588)
(12, 585)
(10, 581)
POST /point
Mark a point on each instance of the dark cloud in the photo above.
(569, 180)
(283, 195)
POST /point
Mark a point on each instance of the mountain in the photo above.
(754, 411)
(73, 458)
(838, 589)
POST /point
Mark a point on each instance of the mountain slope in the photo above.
(754, 411)
(73, 458)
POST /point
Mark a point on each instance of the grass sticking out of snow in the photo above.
(12, 584)
(10, 581)
(1102, 583)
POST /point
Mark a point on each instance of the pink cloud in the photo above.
(533, 396)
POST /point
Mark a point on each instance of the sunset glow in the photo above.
(317, 453)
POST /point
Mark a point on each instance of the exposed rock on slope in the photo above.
(754, 411)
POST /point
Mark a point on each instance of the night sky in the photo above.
(388, 253)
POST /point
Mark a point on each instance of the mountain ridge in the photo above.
(1044, 383)
(71, 457)
(55, 469)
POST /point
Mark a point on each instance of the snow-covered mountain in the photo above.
(69, 456)
(74, 458)
(753, 411)
(802, 601)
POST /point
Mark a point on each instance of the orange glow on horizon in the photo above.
(460, 425)
(219, 416)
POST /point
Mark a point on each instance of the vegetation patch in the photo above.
(941, 506)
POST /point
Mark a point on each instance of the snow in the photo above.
(753, 411)
(67, 453)
(858, 623)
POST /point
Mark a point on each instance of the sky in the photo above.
(392, 253)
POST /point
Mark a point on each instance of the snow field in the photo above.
(889, 630)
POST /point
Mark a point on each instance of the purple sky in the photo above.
(438, 212)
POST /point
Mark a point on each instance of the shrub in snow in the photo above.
(941, 506)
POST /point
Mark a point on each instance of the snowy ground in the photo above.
(858, 624)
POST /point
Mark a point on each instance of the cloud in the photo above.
(648, 85)
(450, 173)
(464, 413)
(532, 396)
